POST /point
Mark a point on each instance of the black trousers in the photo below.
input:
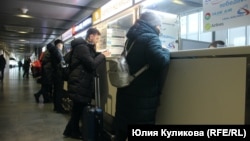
(121, 128)
(2, 74)
(45, 90)
(26, 73)
(73, 126)
(57, 95)
(121, 132)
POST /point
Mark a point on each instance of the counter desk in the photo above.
(208, 86)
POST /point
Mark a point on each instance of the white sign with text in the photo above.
(223, 14)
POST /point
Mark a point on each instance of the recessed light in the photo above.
(22, 32)
(24, 16)
(178, 2)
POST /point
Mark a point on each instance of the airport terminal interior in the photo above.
(208, 72)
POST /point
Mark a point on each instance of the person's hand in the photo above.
(106, 53)
(63, 64)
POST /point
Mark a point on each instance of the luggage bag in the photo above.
(93, 118)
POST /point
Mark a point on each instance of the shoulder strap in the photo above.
(130, 47)
(126, 53)
(141, 70)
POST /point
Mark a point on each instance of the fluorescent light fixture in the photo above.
(22, 32)
(178, 2)
(148, 3)
(22, 40)
(24, 16)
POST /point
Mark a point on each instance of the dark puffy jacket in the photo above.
(50, 64)
(84, 62)
(56, 59)
(46, 68)
(138, 102)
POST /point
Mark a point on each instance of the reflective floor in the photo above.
(21, 118)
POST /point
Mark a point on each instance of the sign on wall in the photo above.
(113, 7)
(223, 14)
(66, 35)
(83, 25)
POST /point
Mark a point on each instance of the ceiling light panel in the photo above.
(19, 29)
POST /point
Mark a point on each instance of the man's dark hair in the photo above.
(217, 42)
(93, 31)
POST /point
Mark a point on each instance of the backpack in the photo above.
(118, 72)
(66, 67)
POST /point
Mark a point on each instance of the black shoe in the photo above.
(66, 135)
(36, 98)
(62, 111)
(47, 101)
(74, 136)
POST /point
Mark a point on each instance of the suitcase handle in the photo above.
(97, 91)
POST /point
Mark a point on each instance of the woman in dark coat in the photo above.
(83, 63)
(50, 76)
(137, 103)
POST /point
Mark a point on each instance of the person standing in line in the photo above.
(57, 60)
(215, 43)
(138, 102)
(2, 66)
(46, 78)
(84, 62)
(26, 67)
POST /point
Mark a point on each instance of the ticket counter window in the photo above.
(116, 34)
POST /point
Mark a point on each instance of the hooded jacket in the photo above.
(51, 64)
(138, 102)
(84, 61)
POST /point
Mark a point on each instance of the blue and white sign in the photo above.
(82, 26)
(223, 14)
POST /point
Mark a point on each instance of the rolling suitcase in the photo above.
(93, 118)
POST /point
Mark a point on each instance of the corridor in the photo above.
(21, 118)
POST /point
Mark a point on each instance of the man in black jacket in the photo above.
(57, 60)
(137, 103)
(84, 62)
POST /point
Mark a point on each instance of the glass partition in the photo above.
(191, 26)
(113, 33)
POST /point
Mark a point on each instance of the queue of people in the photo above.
(144, 90)
(51, 76)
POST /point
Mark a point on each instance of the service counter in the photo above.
(207, 86)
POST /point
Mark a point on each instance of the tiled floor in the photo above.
(21, 118)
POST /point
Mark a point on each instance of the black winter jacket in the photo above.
(56, 59)
(46, 68)
(84, 62)
(138, 102)
(51, 64)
